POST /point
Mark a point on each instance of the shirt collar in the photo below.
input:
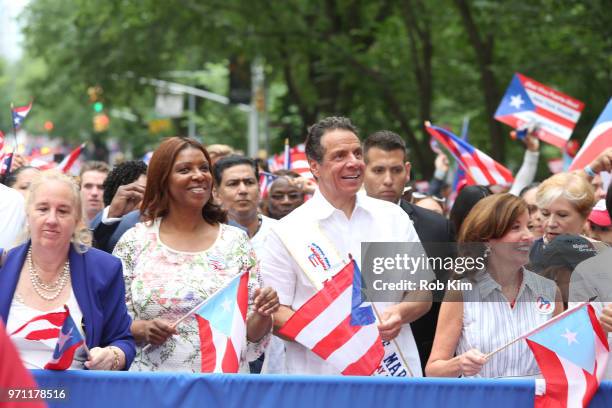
(324, 209)
(487, 284)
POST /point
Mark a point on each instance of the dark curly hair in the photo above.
(122, 174)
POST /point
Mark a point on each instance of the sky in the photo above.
(10, 36)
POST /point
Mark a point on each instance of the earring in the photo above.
(487, 252)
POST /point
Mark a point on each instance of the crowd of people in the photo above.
(131, 249)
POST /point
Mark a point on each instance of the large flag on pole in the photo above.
(19, 114)
(338, 327)
(599, 139)
(572, 352)
(222, 323)
(479, 167)
(527, 101)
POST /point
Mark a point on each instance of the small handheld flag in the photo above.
(68, 341)
(19, 114)
(69, 160)
(222, 324)
(572, 353)
(528, 101)
(336, 325)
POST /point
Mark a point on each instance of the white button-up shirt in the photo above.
(372, 220)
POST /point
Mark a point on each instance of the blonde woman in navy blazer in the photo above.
(56, 267)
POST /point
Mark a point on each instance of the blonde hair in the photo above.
(574, 187)
(81, 237)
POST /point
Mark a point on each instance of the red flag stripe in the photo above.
(370, 359)
(335, 338)
(65, 360)
(595, 147)
(55, 318)
(316, 304)
(554, 373)
(603, 338)
(591, 386)
(554, 117)
(207, 346)
(243, 294)
(44, 334)
(230, 358)
(483, 168)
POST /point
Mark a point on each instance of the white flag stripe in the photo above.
(239, 335)
(220, 342)
(326, 321)
(601, 355)
(576, 383)
(546, 124)
(553, 106)
(353, 349)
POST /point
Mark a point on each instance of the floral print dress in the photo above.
(161, 282)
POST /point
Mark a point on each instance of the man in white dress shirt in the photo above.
(345, 219)
(12, 216)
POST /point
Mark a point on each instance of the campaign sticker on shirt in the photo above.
(544, 306)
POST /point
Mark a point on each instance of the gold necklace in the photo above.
(47, 291)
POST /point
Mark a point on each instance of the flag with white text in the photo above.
(527, 101)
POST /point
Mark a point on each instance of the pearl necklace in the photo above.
(41, 288)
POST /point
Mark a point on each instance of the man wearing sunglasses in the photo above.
(387, 171)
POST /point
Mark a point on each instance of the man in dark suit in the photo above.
(123, 191)
(387, 171)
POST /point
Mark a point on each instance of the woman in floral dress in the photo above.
(180, 255)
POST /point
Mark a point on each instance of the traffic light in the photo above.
(48, 125)
(98, 107)
(100, 122)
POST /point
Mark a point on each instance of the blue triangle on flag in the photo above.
(219, 311)
(572, 338)
(515, 99)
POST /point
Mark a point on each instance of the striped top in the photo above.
(490, 322)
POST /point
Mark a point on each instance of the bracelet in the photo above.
(115, 365)
(589, 171)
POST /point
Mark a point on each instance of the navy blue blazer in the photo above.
(97, 283)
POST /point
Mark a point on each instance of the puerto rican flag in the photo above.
(55, 325)
(5, 162)
(528, 101)
(265, 181)
(292, 159)
(479, 167)
(71, 159)
(338, 327)
(222, 323)
(599, 139)
(19, 114)
(68, 341)
(572, 352)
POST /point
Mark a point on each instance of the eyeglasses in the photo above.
(419, 196)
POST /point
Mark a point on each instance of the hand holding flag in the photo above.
(68, 341)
